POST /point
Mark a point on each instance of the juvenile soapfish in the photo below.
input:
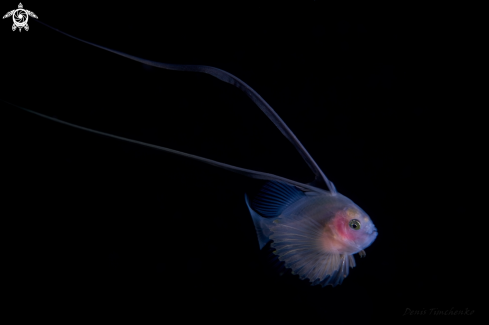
(314, 232)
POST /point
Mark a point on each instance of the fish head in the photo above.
(352, 229)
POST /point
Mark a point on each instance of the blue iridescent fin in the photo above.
(275, 197)
(262, 230)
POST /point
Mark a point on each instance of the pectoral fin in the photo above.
(299, 246)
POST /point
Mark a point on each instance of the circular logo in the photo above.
(20, 17)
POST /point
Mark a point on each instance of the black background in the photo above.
(96, 226)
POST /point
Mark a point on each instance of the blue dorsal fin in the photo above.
(275, 197)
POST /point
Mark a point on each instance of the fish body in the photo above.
(314, 234)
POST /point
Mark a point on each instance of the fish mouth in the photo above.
(373, 230)
(371, 236)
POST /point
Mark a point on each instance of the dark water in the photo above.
(98, 228)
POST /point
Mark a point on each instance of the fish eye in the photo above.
(354, 224)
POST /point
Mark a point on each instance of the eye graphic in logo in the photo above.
(20, 17)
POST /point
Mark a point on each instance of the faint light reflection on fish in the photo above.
(313, 230)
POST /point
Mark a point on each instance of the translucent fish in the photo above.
(313, 230)
(314, 234)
